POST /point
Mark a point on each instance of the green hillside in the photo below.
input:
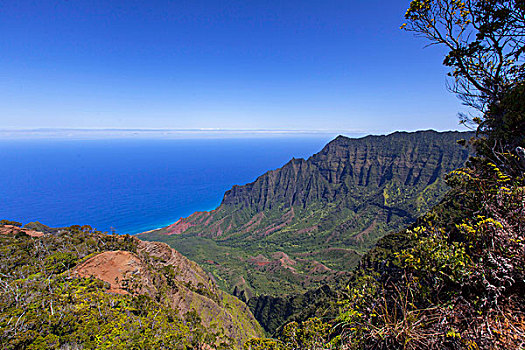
(309, 222)
(455, 279)
(73, 288)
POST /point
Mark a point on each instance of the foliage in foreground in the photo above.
(44, 307)
(460, 284)
(454, 280)
(311, 334)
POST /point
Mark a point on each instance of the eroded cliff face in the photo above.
(347, 196)
(354, 167)
(392, 168)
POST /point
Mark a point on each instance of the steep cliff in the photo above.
(322, 213)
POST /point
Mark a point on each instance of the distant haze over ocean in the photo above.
(209, 133)
(133, 185)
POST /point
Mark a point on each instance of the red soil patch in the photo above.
(319, 267)
(288, 217)
(284, 259)
(209, 215)
(360, 236)
(116, 268)
(178, 227)
(254, 222)
(307, 230)
(259, 260)
(198, 218)
(216, 228)
(13, 230)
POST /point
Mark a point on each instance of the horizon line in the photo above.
(180, 130)
(193, 133)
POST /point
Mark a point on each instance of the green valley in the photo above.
(308, 223)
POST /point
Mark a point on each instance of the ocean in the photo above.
(131, 186)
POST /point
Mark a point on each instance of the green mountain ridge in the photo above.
(308, 223)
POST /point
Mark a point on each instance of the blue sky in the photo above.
(272, 65)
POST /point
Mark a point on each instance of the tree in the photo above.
(485, 40)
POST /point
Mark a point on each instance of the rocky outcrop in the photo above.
(183, 285)
(116, 268)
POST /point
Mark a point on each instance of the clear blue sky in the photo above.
(302, 65)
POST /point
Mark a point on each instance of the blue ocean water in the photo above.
(132, 185)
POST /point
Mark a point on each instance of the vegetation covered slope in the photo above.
(309, 222)
(459, 280)
(456, 278)
(76, 288)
